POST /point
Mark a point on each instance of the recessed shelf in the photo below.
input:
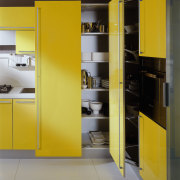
(94, 61)
(96, 89)
(94, 34)
(86, 143)
(93, 116)
(132, 62)
(25, 68)
(94, 6)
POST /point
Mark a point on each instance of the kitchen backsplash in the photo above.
(14, 77)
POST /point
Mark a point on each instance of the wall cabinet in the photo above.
(58, 78)
(25, 42)
(153, 28)
(15, 18)
(152, 149)
(5, 124)
(24, 124)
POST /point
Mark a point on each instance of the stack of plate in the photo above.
(99, 138)
(105, 83)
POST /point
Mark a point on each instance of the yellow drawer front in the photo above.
(25, 42)
(5, 124)
(17, 17)
(24, 124)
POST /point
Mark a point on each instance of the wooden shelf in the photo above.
(94, 34)
(93, 116)
(94, 61)
(96, 89)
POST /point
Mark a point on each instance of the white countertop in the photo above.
(15, 93)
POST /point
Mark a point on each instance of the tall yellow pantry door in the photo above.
(117, 112)
(58, 83)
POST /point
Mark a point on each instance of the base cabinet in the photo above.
(24, 124)
(152, 150)
(5, 124)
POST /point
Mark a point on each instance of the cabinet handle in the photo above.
(139, 140)
(5, 102)
(25, 102)
(37, 64)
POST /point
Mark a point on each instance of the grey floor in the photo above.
(62, 169)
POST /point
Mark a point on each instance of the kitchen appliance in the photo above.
(152, 97)
(5, 88)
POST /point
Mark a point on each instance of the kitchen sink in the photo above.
(28, 90)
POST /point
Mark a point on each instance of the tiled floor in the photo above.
(62, 169)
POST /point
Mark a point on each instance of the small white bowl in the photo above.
(96, 107)
(85, 103)
(83, 86)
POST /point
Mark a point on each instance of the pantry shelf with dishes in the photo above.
(94, 74)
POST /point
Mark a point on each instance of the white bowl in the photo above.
(96, 107)
(85, 103)
(83, 86)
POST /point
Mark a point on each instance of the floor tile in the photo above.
(54, 169)
(8, 168)
(107, 169)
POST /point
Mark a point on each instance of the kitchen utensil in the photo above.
(100, 56)
(85, 103)
(90, 82)
(83, 28)
(96, 107)
(86, 56)
(102, 28)
(96, 82)
(84, 76)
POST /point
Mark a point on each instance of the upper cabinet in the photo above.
(58, 81)
(15, 18)
(25, 42)
(152, 28)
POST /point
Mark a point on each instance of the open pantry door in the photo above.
(117, 93)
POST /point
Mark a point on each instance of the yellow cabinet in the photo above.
(152, 28)
(15, 18)
(24, 124)
(58, 78)
(116, 91)
(5, 124)
(152, 150)
(25, 42)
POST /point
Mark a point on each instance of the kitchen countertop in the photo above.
(15, 93)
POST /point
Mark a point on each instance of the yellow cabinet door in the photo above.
(25, 42)
(15, 18)
(116, 75)
(24, 124)
(58, 82)
(5, 124)
(152, 150)
(152, 28)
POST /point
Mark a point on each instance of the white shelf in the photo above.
(96, 89)
(94, 61)
(25, 68)
(86, 143)
(93, 116)
(94, 34)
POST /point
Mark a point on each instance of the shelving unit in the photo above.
(95, 34)
(94, 61)
(96, 89)
(95, 42)
(92, 116)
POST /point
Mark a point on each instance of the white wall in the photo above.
(14, 77)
